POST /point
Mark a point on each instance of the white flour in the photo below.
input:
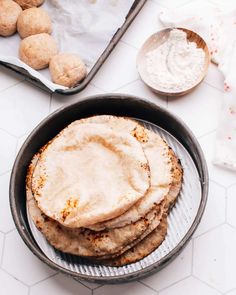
(177, 64)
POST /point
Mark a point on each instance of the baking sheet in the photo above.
(84, 27)
(180, 220)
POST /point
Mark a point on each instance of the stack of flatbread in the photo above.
(102, 189)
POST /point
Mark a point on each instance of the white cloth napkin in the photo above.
(216, 23)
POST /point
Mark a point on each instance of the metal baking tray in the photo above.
(183, 219)
(134, 10)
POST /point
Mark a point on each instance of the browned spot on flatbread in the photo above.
(140, 133)
(71, 204)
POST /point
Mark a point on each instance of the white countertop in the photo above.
(208, 263)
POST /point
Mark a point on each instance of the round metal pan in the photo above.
(112, 104)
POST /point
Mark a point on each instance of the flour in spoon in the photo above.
(177, 64)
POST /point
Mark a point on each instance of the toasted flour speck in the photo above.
(177, 64)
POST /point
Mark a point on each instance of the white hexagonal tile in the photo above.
(171, 3)
(214, 259)
(199, 109)
(231, 293)
(59, 285)
(118, 70)
(190, 286)
(138, 88)
(214, 77)
(20, 142)
(178, 269)
(61, 100)
(22, 107)
(21, 263)
(7, 150)
(220, 175)
(137, 33)
(124, 289)
(8, 78)
(10, 285)
(6, 222)
(89, 285)
(226, 5)
(1, 244)
(215, 209)
(231, 205)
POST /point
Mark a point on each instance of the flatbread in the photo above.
(142, 249)
(84, 242)
(86, 166)
(159, 156)
(152, 241)
(103, 246)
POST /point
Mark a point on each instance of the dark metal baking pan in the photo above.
(134, 10)
(113, 104)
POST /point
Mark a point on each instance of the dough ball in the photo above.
(67, 69)
(9, 12)
(37, 50)
(25, 4)
(33, 21)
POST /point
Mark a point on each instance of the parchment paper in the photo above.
(84, 27)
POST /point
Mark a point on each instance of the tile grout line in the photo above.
(192, 259)
(209, 230)
(3, 249)
(226, 204)
(80, 282)
(98, 287)
(16, 150)
(207, 133)
(175, 283)
(149, 287)
(125, 85)
(128, 44)
(215, 182)
(12, 86)
(98, 88)
(15, 278)
(207, 83)
(49, 277)
(207, 284)
(2, 174)
(9, 133)
(230, 225)
(11, 230)
(229, 291)
(230, 186)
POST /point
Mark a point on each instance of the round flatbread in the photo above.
(162, 168)
(144, 246)
(84, 242)
(88, 173)
(150, 243)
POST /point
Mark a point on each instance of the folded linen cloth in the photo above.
(216, 24)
